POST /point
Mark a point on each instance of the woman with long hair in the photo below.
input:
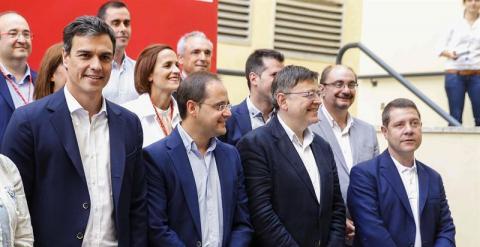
(52, 74)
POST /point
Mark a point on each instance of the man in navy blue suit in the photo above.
(16, 78)
(290, 172)
(261, 67)
(394, 199)
(196, 194)
(79, 155)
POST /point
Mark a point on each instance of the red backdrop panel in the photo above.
(153, 21)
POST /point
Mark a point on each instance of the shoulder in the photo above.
(8, 169)
(369, 166)
(362, 124)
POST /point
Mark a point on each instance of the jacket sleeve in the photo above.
(446, 229)
(258, 179)
(363, 206)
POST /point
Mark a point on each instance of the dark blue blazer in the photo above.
(174, 216)
(379, 205)
(238, 124)
(41, 141)
(6, 104)
(283, 206)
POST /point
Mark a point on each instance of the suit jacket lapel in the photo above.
(390, 172)
(325, 127)
(224, 174)
(243, 118)
(179, 157)
(423, 182)
(62, 124)
(117, 149)
(288, 151)
(5, 92)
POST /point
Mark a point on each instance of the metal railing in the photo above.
(400, 78)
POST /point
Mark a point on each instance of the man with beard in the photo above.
(121, 86)
(351, 139)
(194, 52)
(16, 78)
(290, 173)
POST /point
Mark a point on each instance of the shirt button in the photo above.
(85, 205)
(80, 235)
(199, 244)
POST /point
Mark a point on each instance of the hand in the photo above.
(350, 229)
(450, 55)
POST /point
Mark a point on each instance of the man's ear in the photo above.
(192, 108)
(253, 79)
(65, 58)
(282, 101)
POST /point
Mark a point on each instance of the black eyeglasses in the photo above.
(341, 84)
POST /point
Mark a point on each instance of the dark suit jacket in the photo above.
(379, 205)
(282, 201)
(41, 141)
(6, 104)
(238, 124)
(174, 216)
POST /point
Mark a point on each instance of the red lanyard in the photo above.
(160, 121)
(17, 90)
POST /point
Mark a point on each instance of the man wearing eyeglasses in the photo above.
(352, 140)
(196, 194)
(16, 78)
(290, 173)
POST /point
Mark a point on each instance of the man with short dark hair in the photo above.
(290, 174)
(121, 86)
(79, 155)
(194, 52)
(394, 199)
(196, 192)
(260, 69)
(16, 77)
(351, 139)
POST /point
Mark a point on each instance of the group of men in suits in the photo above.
(88, 182)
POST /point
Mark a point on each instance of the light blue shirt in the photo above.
(4, 226)
(23, 85)
(207, 181)
(121, 85)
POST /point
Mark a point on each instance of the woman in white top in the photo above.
(156, 77)
(15, 225)
(462, 50)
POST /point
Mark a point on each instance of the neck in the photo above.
(471, 16)
(119, 55)
(161, 99)
(195, 133)
(340, 116)
(16, 67)
(297, 128)
(406, 159)
(264, 106)
(92, 103)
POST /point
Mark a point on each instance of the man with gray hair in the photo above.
(194, 52)
(290, 173)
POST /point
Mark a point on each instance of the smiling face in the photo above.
(211, 120)
(197, 55)
(472, 6)
(119, 20)
(165, 75)
(338, 98)
(403, 132)
(18, 47)
(88, 64)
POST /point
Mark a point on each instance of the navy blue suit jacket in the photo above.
(380, 208)
(41, 141)
(174, 216)
(282, 201)
(238, 124)
(6, 104)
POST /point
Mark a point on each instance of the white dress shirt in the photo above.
(209, 192)
(256, 116)
(24, 86)
(342, 136)
(410, 182)
(94, 145)
(306, 154)
(121, 86)
(143, 108)
(464, 39)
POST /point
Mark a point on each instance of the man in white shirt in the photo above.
(194, 52)
(16, 78)
(351, 139)
(260, 69)
(196, 192)
(79, 155)
(290, 174)
(394, 199)
(121, 86)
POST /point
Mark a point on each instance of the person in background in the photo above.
(52, 75)
(156, 77)
(194, 52)
(461, 47)
(15, 226)
(120, 88)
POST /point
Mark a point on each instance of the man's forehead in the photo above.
(198, 43)
(91, 42)
(341, 72)
(115, 13)
(13, 21)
